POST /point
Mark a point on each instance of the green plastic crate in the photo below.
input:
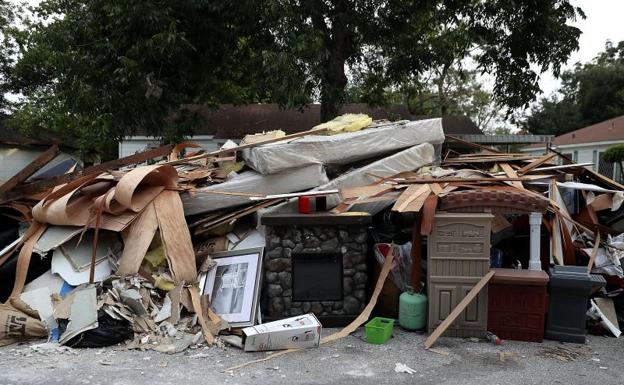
(379, 330)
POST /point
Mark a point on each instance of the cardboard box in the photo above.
(299, 332)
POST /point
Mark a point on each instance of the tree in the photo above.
(387, 42)
(98, 70)
(7, 48)
(590, 93)
(615, 154)
(553, 116)
(101, 69)
(458, 93)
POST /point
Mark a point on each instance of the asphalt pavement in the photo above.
(347, 361)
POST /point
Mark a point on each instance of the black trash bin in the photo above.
(570, 287)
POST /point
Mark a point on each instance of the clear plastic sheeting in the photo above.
(208, 198)
(343, 148)
(406, 160)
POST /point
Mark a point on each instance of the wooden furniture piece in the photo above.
(517, 304)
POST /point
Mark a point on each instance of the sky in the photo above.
(603, 22)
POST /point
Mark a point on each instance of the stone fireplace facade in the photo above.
(319, 239)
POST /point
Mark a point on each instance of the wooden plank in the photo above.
(464, 180)
(568, 248)
(29, 189)
(409, 195)
(31, 168)
(364, 191)
(415, 256)
(536, 163)
(556, 246)
(472, 294)
(471, 144)
(511, 173)
(228, 217)
(454, 161)
(594, 253)
(436, 189)
(295, 195)
(428, 214)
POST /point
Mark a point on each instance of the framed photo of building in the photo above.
(233, 285)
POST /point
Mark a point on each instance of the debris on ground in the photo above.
(260, 244)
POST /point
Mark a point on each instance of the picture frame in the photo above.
(233, 285)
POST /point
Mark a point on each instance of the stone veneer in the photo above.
(283, 241)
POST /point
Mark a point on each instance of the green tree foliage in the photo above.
(97, 70)
(7, 48)
(615, 154)
(590, 93)
(387, 43)
(460, 93)
(101, 69)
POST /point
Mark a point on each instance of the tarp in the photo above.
(251, 182)
(406, 160)
(343, 148)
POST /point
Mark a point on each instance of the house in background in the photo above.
(234, 122)
(587, 145)
(18, 150)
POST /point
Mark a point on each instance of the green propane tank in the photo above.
(412, 310)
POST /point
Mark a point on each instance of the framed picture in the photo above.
(233, 285)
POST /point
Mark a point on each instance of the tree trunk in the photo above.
(442, 105)
(333, 87)
(340, 48)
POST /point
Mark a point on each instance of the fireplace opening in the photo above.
(317, 277)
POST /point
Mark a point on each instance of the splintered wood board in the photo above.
(536, 163)
(412, 194)
(511, 173)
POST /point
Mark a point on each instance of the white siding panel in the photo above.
(585, 155)
(13, 159)
(131, 146)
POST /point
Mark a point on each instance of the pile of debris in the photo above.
(165, 249)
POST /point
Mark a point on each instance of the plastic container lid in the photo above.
(570, 272)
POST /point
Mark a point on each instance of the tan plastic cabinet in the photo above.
(458, 257)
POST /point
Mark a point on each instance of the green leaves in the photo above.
(103, 69)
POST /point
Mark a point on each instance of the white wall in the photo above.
(135, 144)
(13, 159)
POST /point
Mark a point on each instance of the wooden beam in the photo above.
(458, 309)
(31, 168)
(428, 214)
(415, 255)
(471, 144)
(40, 186)
(464, 180)
(536, 163)
(511, 173)
(594, 253)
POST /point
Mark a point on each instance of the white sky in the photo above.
(603, 22)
